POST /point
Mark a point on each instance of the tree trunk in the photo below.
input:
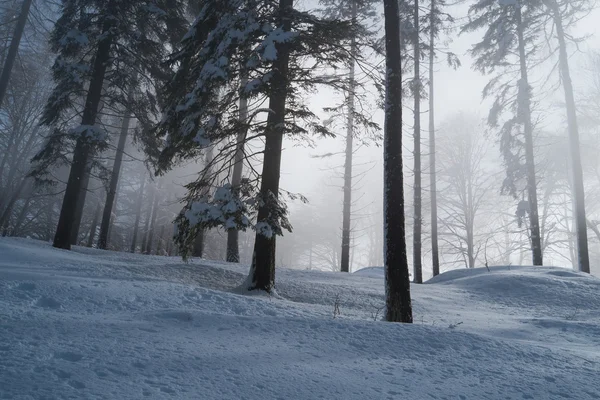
(233, 248)
(418, 272)
(94, 226)
(152, 224)
(397, 281)
(347, 205)
(262, 271)
(524, 111)
(435, 255)
(578, 188)
(138, 214)
(14, 48)
(21, 217)
(147, 220)
(160, 240)
(78, 214)
(8, 209)
(199, 242)
(114, 179)
(82, 152)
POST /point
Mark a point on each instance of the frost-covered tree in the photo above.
(286, 52)
(508, 50)
(105, 49)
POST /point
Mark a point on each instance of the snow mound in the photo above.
(92, 324)
(373, 272)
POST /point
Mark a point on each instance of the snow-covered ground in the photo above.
(90, 324)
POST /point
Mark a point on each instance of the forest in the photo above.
(418, 136)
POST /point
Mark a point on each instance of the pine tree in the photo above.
(270, 39)
(114, 179)
(511, 29)
(14, 48)
(102, 46)
(397, 283)
(362, 14)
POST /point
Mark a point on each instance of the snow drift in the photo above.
(95, 324)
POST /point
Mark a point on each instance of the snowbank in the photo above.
(89, 324)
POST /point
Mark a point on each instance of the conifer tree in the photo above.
(508, 49)
(103, 46)
(286, 52)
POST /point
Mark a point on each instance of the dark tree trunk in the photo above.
(94, 226)
(435, 254)
(578, 188)
(152, 224)
(21, 217)
(198, 250)
(160, 241)
(138, 214)
(262, 271)
(147, 220)
(397, 281)
(78, 215)
(233, 247)
(524, 109)
(347, 204)
(114, 179)
(72, 199)
(417, 267)
(11, 203)
(199, 242)
(14, 48)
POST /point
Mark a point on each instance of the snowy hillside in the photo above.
(90, 324)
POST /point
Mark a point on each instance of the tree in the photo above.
(437, 21)
(14, 48)
(202, 111)
(465, 185)
(361, 13)
(397, 282)
(114, 179)
(560, 12)
(417, 195)
(92, 37)
(508, 48)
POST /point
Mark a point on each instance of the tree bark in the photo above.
(347, 204)
(147, 220)
(114, 179)
(138, 214)
(578, 187)
(78, 213)
(82, 152)
(524, 109)
(262, 271)
(397, 281)
(435, 254)
(94, 226)
(13, 49)
(8, 209)
(417, 267)
(233, 247)
(152, 224)
(199, 242)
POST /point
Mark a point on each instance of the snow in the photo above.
(91, 324)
